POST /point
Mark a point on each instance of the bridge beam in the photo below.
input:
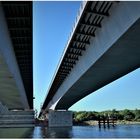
(12, 97)
(113, 53)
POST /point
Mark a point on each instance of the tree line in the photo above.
(126, 114)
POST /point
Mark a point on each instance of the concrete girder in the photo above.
(12, 92)
(113, 53)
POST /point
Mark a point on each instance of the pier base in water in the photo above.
(15, 118)
(60, 118)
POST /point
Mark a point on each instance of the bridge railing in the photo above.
(82, 6)
(80, 11)
(77, 18)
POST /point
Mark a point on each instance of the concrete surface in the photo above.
(60, 118)
(113, 53)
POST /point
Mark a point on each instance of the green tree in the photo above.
(128, 115)
(137, 115)
(80, 116)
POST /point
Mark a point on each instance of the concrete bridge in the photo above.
(104, 45)
(16, 64)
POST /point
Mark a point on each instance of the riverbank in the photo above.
(127, 122)
(94, 123)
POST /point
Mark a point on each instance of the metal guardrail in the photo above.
(80, 11)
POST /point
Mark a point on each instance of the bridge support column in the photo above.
(60, 118)
(17, 118)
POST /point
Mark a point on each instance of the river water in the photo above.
(119, 131)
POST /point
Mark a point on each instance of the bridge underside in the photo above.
(122, 58)
(112, 52)
(9, 92)
(16, 72)
(16, 75)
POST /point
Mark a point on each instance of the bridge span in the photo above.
(104, 45)
(16, 64)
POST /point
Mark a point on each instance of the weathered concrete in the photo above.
(3, 109)
(60, 118)
(16, 118)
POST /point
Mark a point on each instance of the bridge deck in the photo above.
(19, 20)
(89, 20)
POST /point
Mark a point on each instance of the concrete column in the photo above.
(60, 118)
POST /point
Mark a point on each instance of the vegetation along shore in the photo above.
(125, 116)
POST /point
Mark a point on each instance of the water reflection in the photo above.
(120, 131)
(57, 132)
(15, 132)
(37, 133)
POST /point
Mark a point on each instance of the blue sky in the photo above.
(52, 24)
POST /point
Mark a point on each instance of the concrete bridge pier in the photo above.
(15, 118)
(60, 118)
